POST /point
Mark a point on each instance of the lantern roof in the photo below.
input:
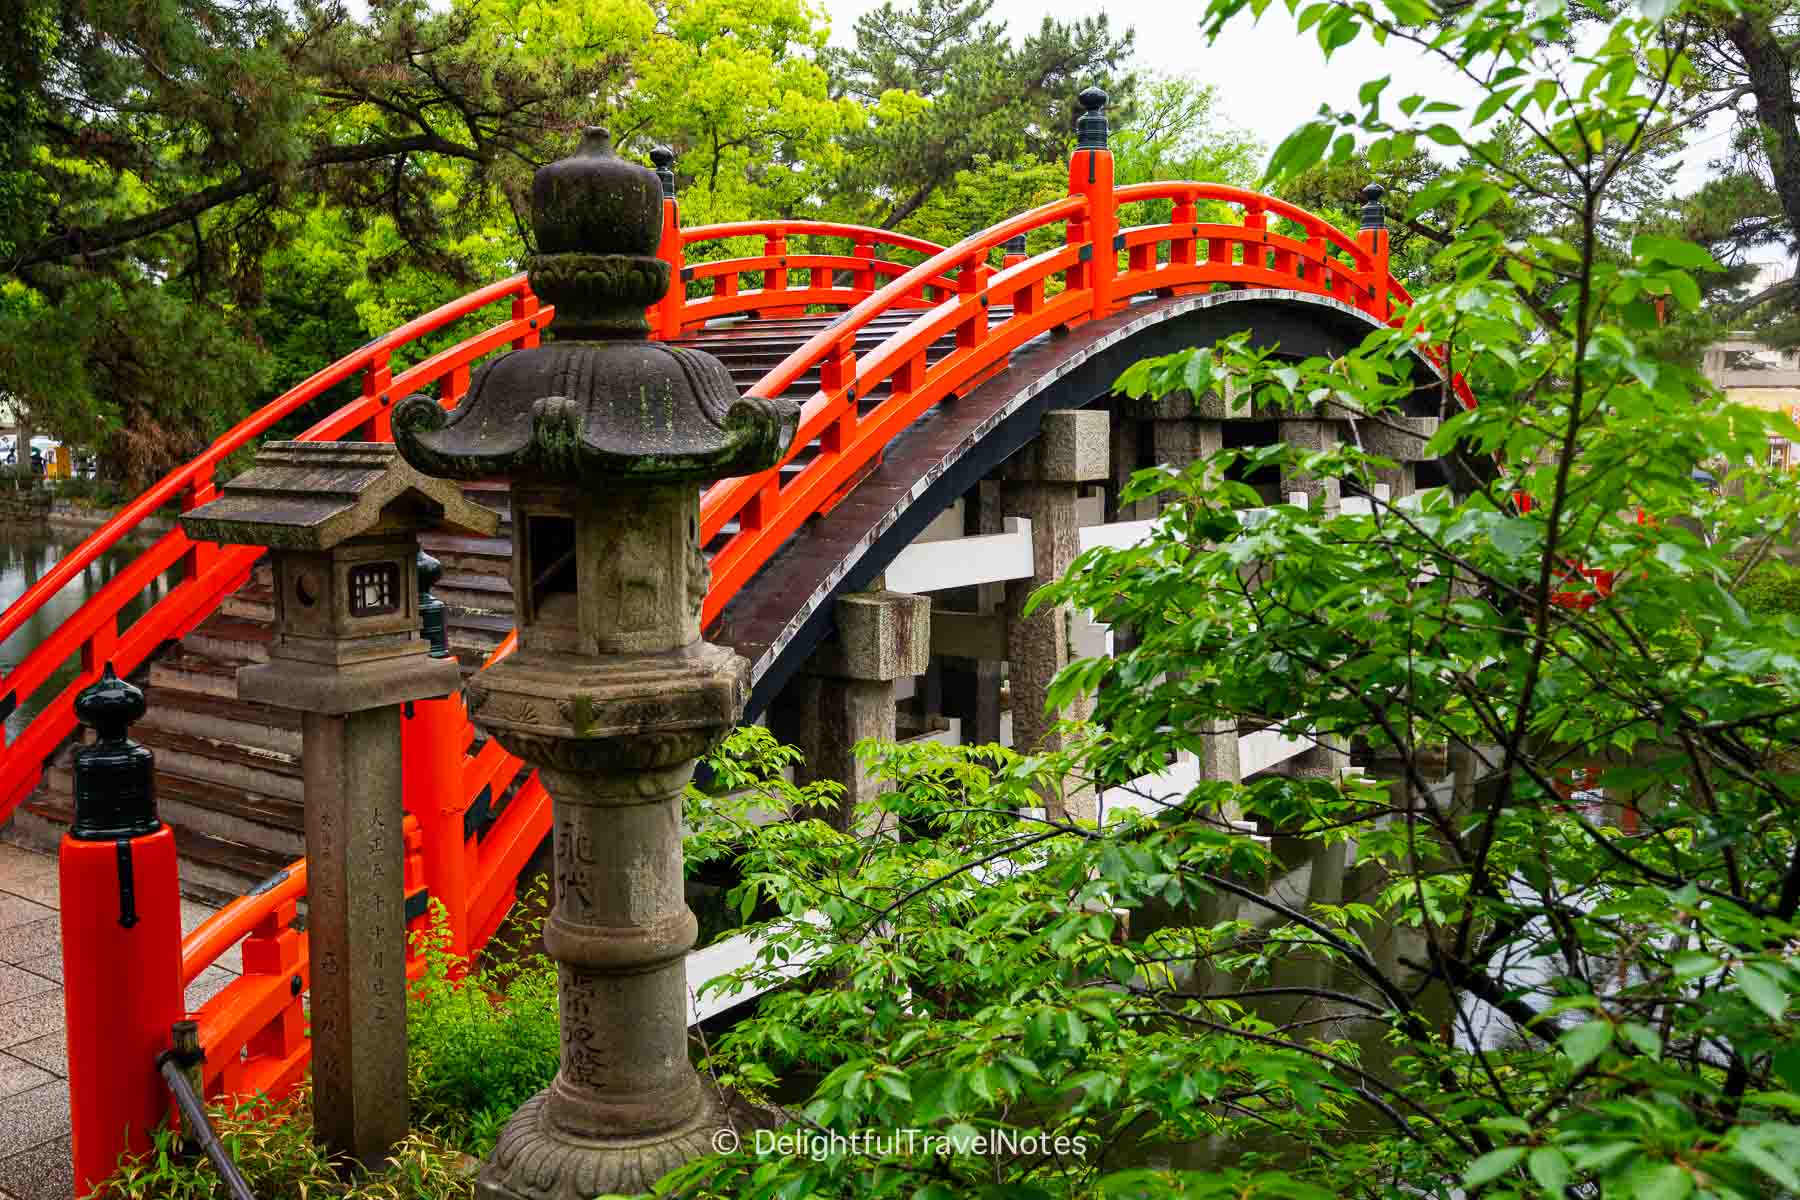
(316, 495)
(600, 404)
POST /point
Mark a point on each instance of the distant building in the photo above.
(1754, 374)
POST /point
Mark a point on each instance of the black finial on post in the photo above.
(115, 778)
(431, 609)
(663, 159)
(1374, 212)
(1091, 128)
(1014, 244)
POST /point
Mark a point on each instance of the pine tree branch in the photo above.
(102, 238)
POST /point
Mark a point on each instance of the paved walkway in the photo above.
(34, 1088)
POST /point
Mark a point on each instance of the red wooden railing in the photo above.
(252, 1030)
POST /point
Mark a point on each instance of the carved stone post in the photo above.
(607, 438)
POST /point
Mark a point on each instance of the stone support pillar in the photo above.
(1185, 428)
(971, 686)
(1310, 436)
(1042, 483)
(1124, 456)
(1401, 439)
(1219, 752)
(845, 694)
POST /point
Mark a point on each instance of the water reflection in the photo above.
(26, 555)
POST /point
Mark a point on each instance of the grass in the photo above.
(271, 1142)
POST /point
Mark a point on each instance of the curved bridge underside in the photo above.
(783, 614)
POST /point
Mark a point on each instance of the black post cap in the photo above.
(432, 610)
(1014, 244)
(1091, 128)
(115, 778)
(1374, 212)
(663, 159)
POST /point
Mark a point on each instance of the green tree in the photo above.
(288, 181)
(948, 92)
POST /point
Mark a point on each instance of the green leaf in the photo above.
(1550, 1168)
(1763, 988)
(1668, 1182)
(1775, 1151)
(1584, 1043)
(1298, 151)
(1691, 965)
(1674, 251)
(1370, 91)
(1492, 1166)
(1643, 1037)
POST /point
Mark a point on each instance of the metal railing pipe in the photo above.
(175, 1065)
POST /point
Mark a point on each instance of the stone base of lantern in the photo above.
(534, 1160)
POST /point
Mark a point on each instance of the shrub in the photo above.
(479, 1044)
(1772, 589)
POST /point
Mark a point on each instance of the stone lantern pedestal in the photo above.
(606, 438)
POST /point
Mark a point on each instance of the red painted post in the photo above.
(525, 306)
(863, 279)
(376, 381)
(1091, 175)
(121, 937)
(971, 281)
(1182, 249)
(665, 317)
(1373, 237)
(432, 737)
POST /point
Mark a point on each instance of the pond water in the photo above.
(26, 554)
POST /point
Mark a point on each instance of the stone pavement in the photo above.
(34, 1089)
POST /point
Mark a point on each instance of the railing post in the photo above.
(1256, 236)
(1182, 249)
(200, 555)
(775, 247)
(376, 381)
(971, 280)
(665, 318)
(1373, 237)
(863, 279)
(121, 938)
(1091, 175)
(432, 737)
(1012, 253)
(525, 306)
(837, 371)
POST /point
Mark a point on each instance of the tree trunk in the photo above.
(22, 444)
(1771, 82)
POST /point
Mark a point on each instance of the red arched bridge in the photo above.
(919, 367)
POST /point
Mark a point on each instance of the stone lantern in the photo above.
(341, 522)
(606, 438)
